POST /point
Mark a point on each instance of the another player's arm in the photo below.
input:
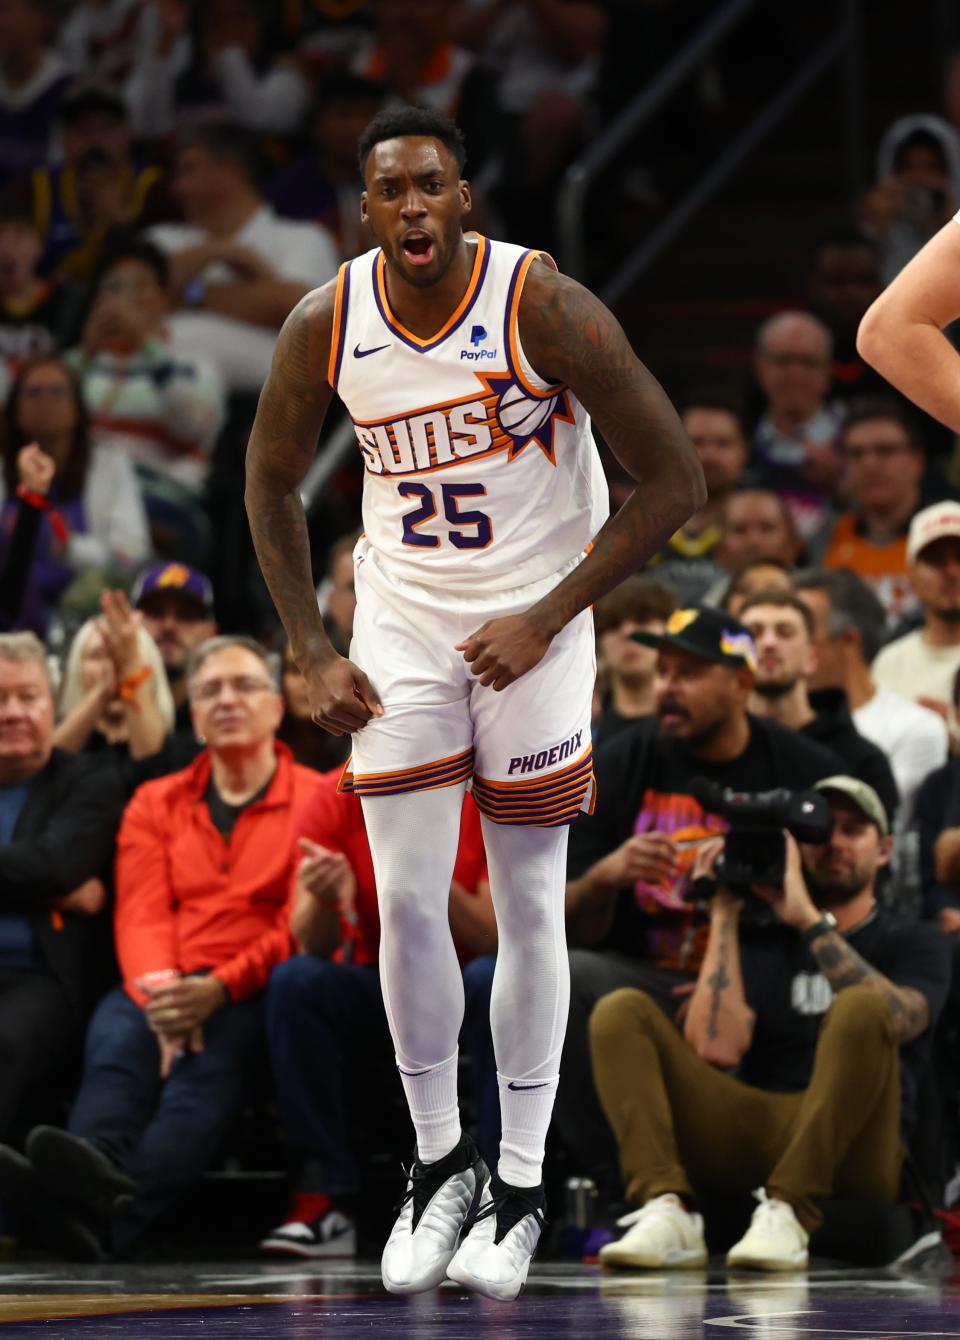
(282, 444)
(902, 336)
(569, 336)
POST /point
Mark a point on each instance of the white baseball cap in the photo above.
(933, 523)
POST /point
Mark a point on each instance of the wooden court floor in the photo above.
(248, 1300)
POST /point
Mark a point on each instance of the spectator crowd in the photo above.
(189, 927)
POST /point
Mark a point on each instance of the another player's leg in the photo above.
(413, 839)
(528, 1016)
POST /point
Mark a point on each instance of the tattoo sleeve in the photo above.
(842, 966)
(718, 981)
(570, 337)
(282, 444)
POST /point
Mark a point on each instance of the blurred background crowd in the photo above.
(174, 177)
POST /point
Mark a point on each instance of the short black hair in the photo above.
(640, 599)
(134, 249)
(853, 604)
(229, 141)
(394, 122)
(718, 398)
(865, 408)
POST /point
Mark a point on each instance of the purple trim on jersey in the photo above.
(342, 332)
(554, 388)
(425, 348)
(508, 308)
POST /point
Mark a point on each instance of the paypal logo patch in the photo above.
(477, 336)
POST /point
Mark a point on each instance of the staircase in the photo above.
(693, 315)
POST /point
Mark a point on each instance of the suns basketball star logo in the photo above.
(502, 416)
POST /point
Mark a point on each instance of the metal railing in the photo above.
(841, 44)
(327, 461)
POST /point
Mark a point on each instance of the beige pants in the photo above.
(681, 1125)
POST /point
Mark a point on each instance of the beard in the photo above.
(775, 688)
(949, 614)
(836, 890)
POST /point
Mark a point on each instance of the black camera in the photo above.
(754, 851)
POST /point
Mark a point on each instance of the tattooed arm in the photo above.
(570, 337)
(843, 966)
(838, 961)
(282, 444)
(719, 1022)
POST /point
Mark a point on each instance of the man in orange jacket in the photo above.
(205, 867)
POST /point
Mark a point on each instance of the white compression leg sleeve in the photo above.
(413, 841)
(531, 987)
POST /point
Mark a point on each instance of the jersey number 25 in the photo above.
(451, 494)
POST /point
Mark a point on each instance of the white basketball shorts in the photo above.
(526, 750)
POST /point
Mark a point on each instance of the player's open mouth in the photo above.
(418, 248)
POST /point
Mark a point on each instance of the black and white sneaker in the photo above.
(438, 1200)
(499, 1243)
(305, 1233)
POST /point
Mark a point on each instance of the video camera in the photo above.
(754, 850)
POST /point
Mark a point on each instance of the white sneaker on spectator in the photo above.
(314, 1227)
(498, 1244)
(775, 1240)
(438, 1199)
(663, 1234)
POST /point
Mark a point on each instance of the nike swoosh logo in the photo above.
(522, 1088)
(411, 1073)
(365, 353)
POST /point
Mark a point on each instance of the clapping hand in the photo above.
(120, 626)
(35, 469)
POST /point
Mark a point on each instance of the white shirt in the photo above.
(303, 252)
(914, 739)
(915, 670)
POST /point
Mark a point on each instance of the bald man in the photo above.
(795, 441)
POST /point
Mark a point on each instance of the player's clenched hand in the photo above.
(342, 699)
(502, 650)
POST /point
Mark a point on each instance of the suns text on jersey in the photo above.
(432, 438)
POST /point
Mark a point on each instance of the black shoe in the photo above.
(66, 1230)
(75, 1170)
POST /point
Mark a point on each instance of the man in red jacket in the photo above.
(205, 865)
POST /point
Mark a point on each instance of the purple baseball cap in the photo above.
(177, 578)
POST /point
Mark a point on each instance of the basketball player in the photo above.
(902, 336)
(469, 368)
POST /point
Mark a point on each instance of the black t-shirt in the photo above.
(644, 786)
(790, 996)
(223, 816)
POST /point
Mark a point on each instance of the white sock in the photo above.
(531, 987)
(525, 1109)
(432, 1099)
(413, 842)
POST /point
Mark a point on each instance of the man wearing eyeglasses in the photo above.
(205, 866)
(883, 463)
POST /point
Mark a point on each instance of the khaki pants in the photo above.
(682, 1125)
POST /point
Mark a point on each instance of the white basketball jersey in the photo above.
(477, 472)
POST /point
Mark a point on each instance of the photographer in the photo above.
(828, 1017)
(627, 921)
